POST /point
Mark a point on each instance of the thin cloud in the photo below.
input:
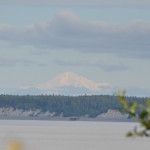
(106, 66)
(68, 31)
(69, 63)
(113, 66)
(10, 62)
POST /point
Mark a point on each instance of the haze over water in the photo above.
(65, 135)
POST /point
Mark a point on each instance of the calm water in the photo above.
(65, 135)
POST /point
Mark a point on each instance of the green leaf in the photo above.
(145, 124)
(124, 103)
(133, 108)
(148, 102)
(129, 134)
(121, 96)
(143, 115)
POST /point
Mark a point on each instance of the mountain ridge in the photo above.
(72, 79)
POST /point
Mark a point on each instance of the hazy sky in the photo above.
(104, 41)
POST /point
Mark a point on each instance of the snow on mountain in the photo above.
(71, 84)
(66, 83)
(70, 79)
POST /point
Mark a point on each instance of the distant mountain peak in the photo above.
(72, 79)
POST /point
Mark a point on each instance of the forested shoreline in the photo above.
(70, 106)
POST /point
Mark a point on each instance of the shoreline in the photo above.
(72, 119)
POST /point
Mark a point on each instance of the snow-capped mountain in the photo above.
(71, 84)
(69, 79)
(66, 83)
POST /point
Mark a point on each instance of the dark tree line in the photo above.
(68, 105)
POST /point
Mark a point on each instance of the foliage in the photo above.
(70, 106)
(141, 113)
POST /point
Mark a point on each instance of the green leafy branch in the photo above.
(140, 113)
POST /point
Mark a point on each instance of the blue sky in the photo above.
(102, 41)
